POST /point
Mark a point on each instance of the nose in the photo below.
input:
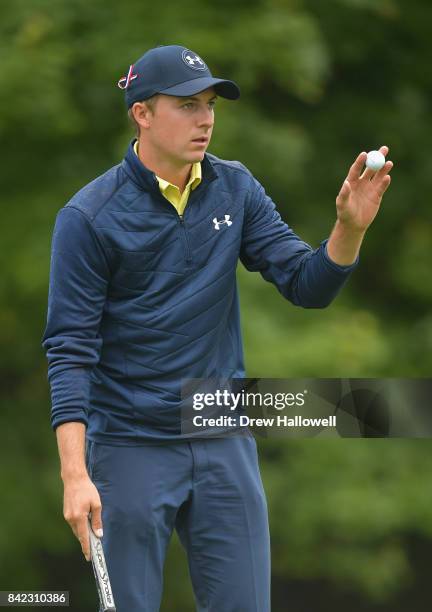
(206, 117)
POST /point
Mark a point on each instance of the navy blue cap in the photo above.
(175, 71)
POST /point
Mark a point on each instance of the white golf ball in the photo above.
(375, 160)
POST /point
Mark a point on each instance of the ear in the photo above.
(142, 114)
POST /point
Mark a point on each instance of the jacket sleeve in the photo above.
(306, 277)
(79, 277)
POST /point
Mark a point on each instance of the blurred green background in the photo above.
(351, 520)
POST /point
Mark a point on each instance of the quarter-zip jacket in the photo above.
(141, 298)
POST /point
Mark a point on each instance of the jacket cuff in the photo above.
(72, 417)
(332, 264)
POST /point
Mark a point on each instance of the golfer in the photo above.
(142, 296)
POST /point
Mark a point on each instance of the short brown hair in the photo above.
(151, 103)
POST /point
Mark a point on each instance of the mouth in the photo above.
(202, 140)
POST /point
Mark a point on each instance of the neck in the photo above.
(164, 168)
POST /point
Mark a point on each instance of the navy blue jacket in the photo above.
(141, 298)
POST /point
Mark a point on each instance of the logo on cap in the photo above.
(192, 60)
(124, 81)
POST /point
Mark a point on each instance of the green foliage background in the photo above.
(321, 81)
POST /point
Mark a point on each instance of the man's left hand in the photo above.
(360, 196)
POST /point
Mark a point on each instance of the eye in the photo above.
(187, 105)
(212, 103)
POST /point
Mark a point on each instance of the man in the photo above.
(143, 296)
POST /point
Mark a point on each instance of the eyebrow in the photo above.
(196, 99)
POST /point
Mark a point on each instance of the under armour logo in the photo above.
(192, 60)
(124, 81)
(217, 223)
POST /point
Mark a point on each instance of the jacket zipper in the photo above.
(185, 239)
(188, 254)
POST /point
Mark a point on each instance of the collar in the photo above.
(147, 180)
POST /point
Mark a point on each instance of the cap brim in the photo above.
(223, 88)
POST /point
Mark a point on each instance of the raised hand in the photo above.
(359, 199)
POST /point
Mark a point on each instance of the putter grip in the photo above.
(101, 573)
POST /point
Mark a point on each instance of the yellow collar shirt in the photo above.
(172, 192)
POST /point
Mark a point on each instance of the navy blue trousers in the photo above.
(211, 492)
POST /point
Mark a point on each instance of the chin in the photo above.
(197, 157)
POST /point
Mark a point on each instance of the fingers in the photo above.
(81, 528)
(381, 173)
(354, 173)
(383, 186)
(96, 519)
(367, 174)
(356, 168)
(81, 531)
(344, 193)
